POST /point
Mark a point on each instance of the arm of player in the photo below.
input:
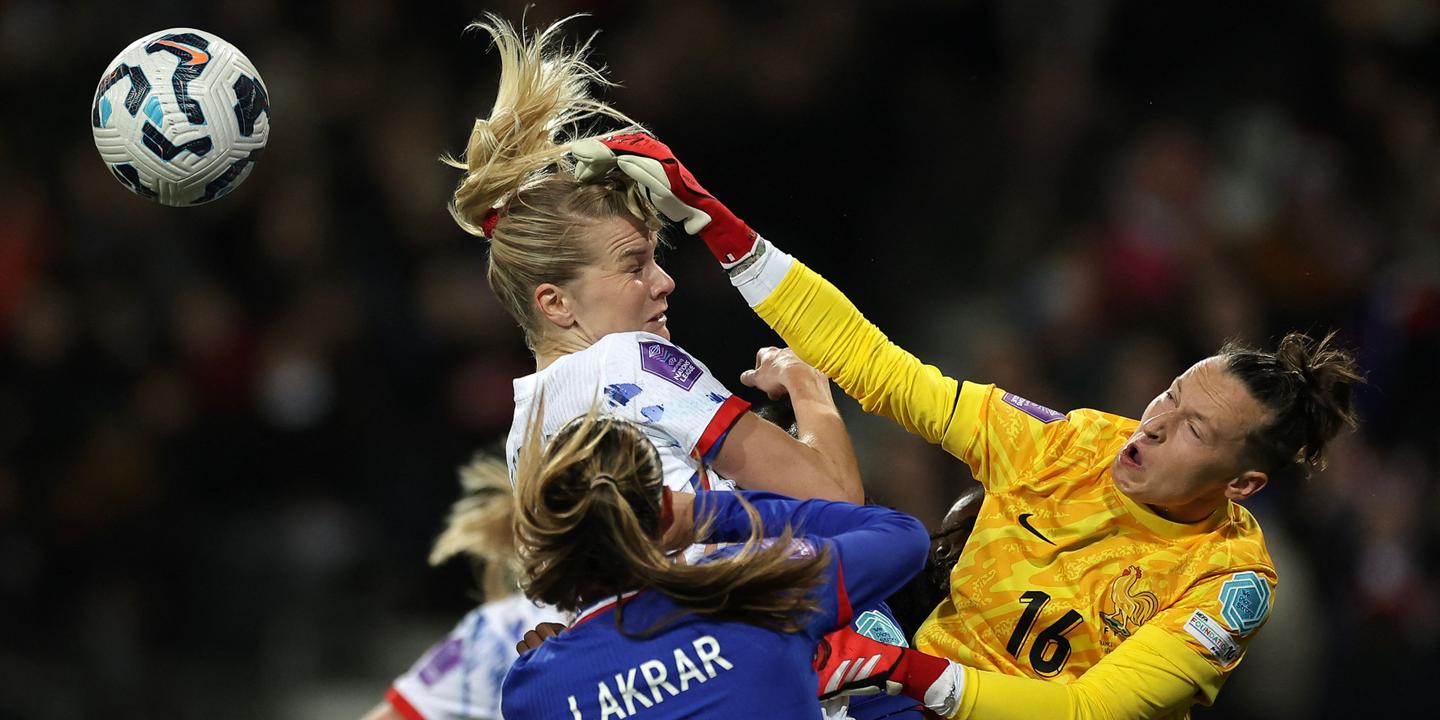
(759, 455)
(877, 549)
(990, 430)
(826, 330)
(1152, 674)
(818, 463)
(813, 317)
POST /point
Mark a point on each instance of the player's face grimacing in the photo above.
(623, 289)
(1188, 454)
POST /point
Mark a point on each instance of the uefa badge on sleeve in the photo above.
(875, 625)
(1244, 601)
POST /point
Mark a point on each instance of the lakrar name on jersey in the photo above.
(667, 361)
(653, 681)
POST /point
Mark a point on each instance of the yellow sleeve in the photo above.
(1001, 436)
(1151, 675)
(827, 331)
(1220, 615)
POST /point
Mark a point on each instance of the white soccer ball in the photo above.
(180, 117)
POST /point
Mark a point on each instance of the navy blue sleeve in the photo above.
(875, 550)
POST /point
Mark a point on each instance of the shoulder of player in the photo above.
(1253, 575)
(518, 677)
(1077, 446)
(643, 354)
(1233, 552)
(1244, 539)
(607, 354)
(1089, 422)
(1091, 432)
(627, 348)
(1107, 421)
(630, 339)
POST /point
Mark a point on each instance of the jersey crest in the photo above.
(1126, 606)
(670, 363)
(1244, 601)
(874, 625)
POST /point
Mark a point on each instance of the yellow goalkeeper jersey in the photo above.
(1061, 568)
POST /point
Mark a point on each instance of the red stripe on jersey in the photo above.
(844, 612)
(402, 705)
(730, 410)
(592, 612)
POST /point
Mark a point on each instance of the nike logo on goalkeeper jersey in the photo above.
(1025, 523)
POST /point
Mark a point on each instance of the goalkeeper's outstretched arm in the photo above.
(826, 330)
(1151, 675)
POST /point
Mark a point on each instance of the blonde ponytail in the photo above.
(516, 164)
(481, 524)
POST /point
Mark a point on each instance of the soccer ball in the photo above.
(180, 117)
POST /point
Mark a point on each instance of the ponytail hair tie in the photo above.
(488, 223)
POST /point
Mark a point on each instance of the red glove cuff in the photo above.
(917, 672)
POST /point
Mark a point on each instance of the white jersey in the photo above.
(459, 678)
(643, 378)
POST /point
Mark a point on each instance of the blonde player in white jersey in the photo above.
(574, 264)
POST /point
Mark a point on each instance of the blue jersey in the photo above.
(698, 667)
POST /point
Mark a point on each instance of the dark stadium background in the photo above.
(228, 434)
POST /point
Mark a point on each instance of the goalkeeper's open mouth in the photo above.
(1130, 455)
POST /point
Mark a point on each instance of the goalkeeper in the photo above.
(1112, 571)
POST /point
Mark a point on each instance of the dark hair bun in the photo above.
(1307, 386)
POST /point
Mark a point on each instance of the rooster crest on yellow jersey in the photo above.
(1128, 606)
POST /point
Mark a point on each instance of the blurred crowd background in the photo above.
(228, 434)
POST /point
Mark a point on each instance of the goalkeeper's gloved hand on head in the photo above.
(671, 188)
(849, 663)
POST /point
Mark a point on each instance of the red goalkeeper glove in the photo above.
(671, 189)
(851, 664)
